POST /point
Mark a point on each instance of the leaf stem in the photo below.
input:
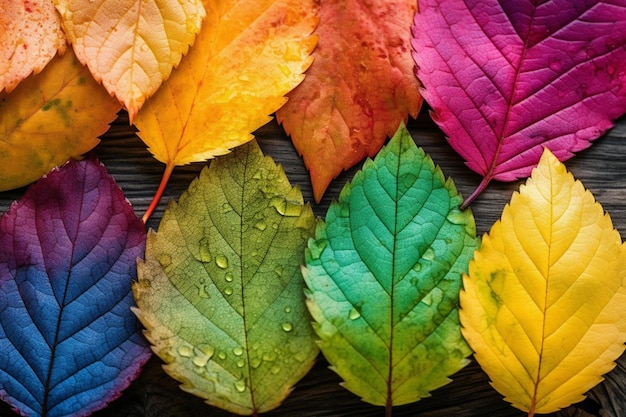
(169, 168)
(481, 187)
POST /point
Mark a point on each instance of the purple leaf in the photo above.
(69, 343)
(507, 78)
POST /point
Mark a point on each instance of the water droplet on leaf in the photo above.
(221, 261)
(286, 326)
(354, 314)
(184, 351)
(240, 385)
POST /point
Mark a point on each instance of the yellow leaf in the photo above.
(131, 46)
(248, 55)
(543, 305)
(30, 36)
(49, 118)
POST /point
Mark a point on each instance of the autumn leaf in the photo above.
(246, 58)
(49, 118)
(359, 88)
(221, 292)
(543, 305)
(69, 343)
(30, 36)
(384, 274)
(131, 46)
(506, 79)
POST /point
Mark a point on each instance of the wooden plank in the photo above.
(602, 168)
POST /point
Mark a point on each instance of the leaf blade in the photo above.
(50, 118)
(235, 309)
(384, 248)
(548, 297)
(30, 35)
(131, 46)
(243, 47)
(69, 341)
(358, 89)
(504, 81)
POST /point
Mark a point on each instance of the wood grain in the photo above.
(602, 169)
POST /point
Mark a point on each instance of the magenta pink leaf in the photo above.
(69, 342)
(507, 78)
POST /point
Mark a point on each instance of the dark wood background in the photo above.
(602, 169)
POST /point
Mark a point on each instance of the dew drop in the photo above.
(228, 277)
(300, 356)
(240, 385)
(269, 357)
(260, 225)
(555, 65)
(200, 360)
(429, 255)
(354, 314)
(238, 351)
(257, 175)
(293, 209)
(228, 291)
(205, 253)
(275, 226)
(240, 363)
(226, 208)
(165, 260)
(221, 355)
(144, 48)
(184, 351)
(202, 292)
(286, 326)
(206, 350)
(279, 271)
(255, 363)
(221, 261)
(287, 309)
(275, 369)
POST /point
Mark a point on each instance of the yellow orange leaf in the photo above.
(30, 36)
(543, 304)
(131, 46)
(49, 118)
(248, 55)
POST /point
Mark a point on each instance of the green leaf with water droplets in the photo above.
(221, 292)
(384, 274)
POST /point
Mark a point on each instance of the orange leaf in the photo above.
(247, 57)
(131, 46)
(359, 88)
(30, 35)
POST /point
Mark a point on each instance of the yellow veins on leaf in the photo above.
(30, 36)
(247, 56)
(49, 118)
(543, 304)
(131, 46)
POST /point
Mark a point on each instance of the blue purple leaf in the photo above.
(69, 343)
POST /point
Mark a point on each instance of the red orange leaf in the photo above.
(359, 88)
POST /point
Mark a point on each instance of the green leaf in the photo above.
(221, 292)
(384, 274)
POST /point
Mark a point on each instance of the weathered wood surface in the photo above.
(602, 168)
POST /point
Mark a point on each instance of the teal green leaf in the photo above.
(384, 275)
(221, 291)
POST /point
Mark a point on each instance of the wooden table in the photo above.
(602, 169)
